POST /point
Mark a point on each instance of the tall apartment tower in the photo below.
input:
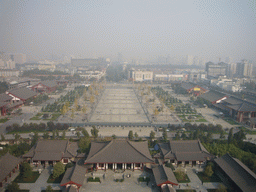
(244, 69)
(189, 59)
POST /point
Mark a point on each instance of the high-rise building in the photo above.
(244, 69)
(231, 70)
(196, 60)
(216, 70)
(189, 59)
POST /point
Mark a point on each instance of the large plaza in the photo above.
(119, 104)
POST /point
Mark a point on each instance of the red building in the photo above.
(193, 89)
(45, 87)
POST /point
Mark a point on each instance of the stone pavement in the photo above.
(41, 182)
(196, 183)
(108, 184)
(14, 175)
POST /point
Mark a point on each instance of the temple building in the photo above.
(235, 174)
(119, 154)
(164, 177)
(47, 152)
(8, 166)
(184, 152)
(73, 178)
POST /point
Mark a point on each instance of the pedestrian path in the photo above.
(41, 182)
(196, 183)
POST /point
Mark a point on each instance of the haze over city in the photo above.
(137, 29)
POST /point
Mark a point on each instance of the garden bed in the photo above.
(142, 179)
(204, 178)
(31, 179)
(4, 120)
(182, 178)
(96, 179)
(56, 180)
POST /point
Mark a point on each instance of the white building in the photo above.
(142, 75)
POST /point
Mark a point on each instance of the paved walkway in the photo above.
(196, 183)
(41, 182)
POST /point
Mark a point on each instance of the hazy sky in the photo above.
(136, 28)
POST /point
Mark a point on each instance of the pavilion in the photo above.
(119, 154)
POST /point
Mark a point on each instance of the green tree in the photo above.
(85, 133)
(136, 135)
(25, 170)
(84, 144)
(152, 135)
(46, 135)
(34, 139)
(78, 134)
(165, 137)
(94, 132)
(130, 135)
(222, 134)
(58, 170)
(177, 136)
(208, 171)
(63, 134)
(2, 137)
(221, 188)
(13, 187)
(230, 136)
(53, 134)
(49, 188)
(114, 136)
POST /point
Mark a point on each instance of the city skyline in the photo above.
(142, 29)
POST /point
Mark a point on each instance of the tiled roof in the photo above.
(4, 97)
(241, 175)
(49, 83)
(47, 156)
(74, 174)
(243, 107)
(3, 104)
(7, 164)
(212, 96)
(164, 174)
(233, 101)
(52, 150)
(187, 85)
(119, 151)
(185, 150)
(22, 93)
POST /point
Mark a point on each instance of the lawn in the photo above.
(201, 120)
(21, 190)
(142, 179)
(96, 179)
(185, 190)
(37, 116)
(182, 178)
(248, 131)
(31, 179)
(4, 120)
(231, 121)
(56, 180)
(54, 116)
(213, 178)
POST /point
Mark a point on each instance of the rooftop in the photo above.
(119, 151)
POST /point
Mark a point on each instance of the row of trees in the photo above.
(36, 127)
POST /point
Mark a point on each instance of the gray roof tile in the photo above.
(244, 178)
(22, 93)
(164, 174)
(119, 151)
(7, 163)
